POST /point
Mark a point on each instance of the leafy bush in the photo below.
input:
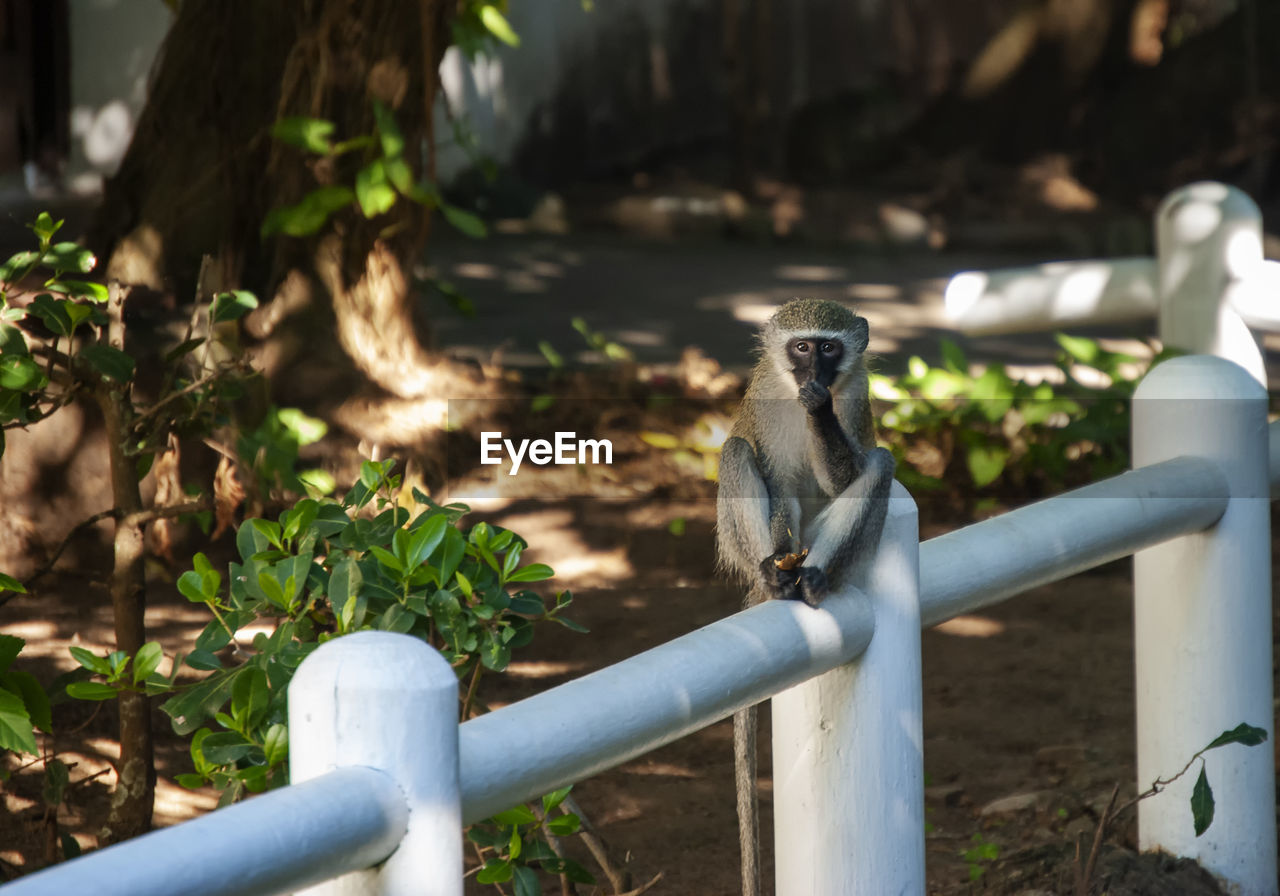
(989, 433)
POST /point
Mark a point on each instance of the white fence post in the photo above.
(848, 763)
(390, 702)
(1202, 619)
(1209, 244)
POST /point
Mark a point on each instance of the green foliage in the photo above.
(383, 175)
(325, 568)
(979, 856)
(270, 452)
(63, 306)
(513, 841)
(478, 24)
(1202, 805)
(24, 706)
(989, 430)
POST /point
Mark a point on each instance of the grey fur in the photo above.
(800, 469)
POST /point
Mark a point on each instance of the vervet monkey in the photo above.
(803, 489)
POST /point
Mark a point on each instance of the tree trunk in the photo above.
(134, 797)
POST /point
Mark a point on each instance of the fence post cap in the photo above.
(376, 661)
(1198, 209)
(1198, 377)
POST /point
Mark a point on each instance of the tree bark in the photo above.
(134, 797)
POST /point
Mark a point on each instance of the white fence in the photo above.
(384, 776)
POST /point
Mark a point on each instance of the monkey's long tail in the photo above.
(745, 724)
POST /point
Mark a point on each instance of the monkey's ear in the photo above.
(860, 335)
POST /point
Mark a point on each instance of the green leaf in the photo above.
(310, 134)
(373, 191)
(1241, 734)
(82, 289)
(564, 825)
(276, 743)
(426, 538)
(8, 583)
(497, 25)
(16, 733)
(388, 130)
(191, 586)
(232, 305)
(147, 661)
(1080, 349)
(109, 361)
(516, 816)
(203, 660)
(400, 175)
(305, 430)
(525, 880)
(91, 661)
(53, 313)
(21, 374)
(34, 698)
(309, 215)
(953, 357)
(534, 572)
(344, 585)
(225, 747)
(91, 690)
(250, 695)
(10, 647)
(70, 257)
(44, 227)
(555, 798)
(464, 221)
(495, 871)
(1202, 803)
(986, 463)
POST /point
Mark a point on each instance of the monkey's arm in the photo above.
(835, 459)
(848, 530)
(752, 529)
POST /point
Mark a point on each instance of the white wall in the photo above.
(113, 45)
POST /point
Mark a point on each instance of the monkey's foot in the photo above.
(781, 578)
(813, 585)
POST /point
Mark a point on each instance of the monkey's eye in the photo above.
(802, 348)
(827, 348)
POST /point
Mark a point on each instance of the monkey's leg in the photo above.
(847, 532)
(752, 528)
(742, 510)
(745, 726)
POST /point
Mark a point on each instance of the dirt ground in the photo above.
(1029, 703)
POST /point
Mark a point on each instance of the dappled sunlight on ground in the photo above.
(971, 627)
(544, 668)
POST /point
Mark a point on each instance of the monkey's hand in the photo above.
(815, 396)
(781, 576)
(813, 585)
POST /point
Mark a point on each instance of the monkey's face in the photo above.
(815, 359)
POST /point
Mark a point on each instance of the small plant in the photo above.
(980, 856)
(1202, 804)
(326, 568)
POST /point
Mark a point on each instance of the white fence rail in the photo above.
(381, 709)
